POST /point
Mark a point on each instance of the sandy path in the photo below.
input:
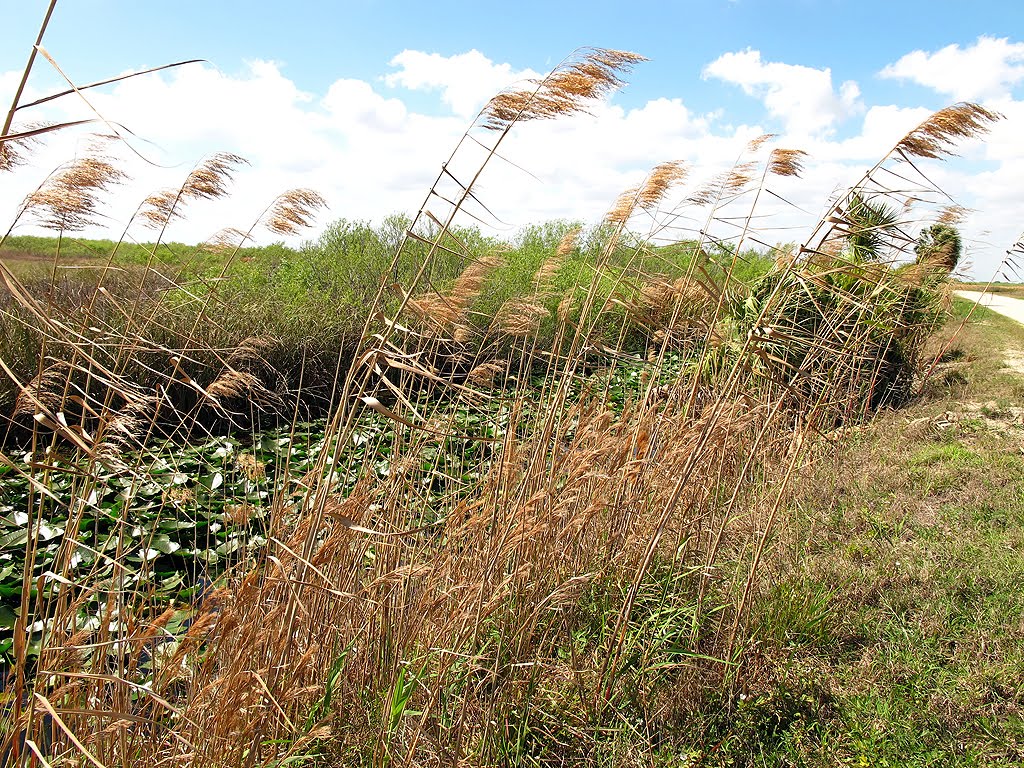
(1004, 305)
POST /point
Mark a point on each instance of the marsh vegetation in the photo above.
(413, 495)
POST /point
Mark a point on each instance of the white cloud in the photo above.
(466, 81)
(373, 148)
(803, 98)
(354, 103)
(989, 69)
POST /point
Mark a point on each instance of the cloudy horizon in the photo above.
(372, 145)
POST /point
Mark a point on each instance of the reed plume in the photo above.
(786, 162)
(449, 308)
(293, 211)
(649, 194)
(623, 208)
(567, 90)
(46, 390)
(722, 184)
(661, 178)
(13, 150)
(520, 318)
(952, 215)
(69, 200)
(936, 137)
(207, 181)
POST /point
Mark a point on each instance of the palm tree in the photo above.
(939, 247)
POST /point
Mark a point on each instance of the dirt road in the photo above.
(1004, 305)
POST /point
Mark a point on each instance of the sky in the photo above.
(362, 101)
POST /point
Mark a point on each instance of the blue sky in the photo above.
(404, 86)
(318, 41)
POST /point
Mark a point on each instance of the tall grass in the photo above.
(549, 554)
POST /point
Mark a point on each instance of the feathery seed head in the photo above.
(565, 91)
(470, 283)
(786, 162)
(727, 182)
(294, 211)
(520, 318)
(12, 151)
(755, 144)
(433, 308)
(69, 199)
(9, 157)
(546, 272)
(450, 308)
(738, 177)
(624, 207)
(936, 136)
(46, 388)
(568, 242)
(225, 241)
(661, 178)
(232, 383)
(209, 180)
(485, 373)
(160, 208)
(952, 215)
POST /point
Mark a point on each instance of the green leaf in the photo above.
(212, 481)
(162, 543)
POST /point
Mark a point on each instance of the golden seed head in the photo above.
(786, 162)
(936, 136)
(952, 215)
(624, 207)
(160, 208)
(209, 180)
(485, 373)
(225, 241)
(294, 211)
(738, 177)
(69, 199)
(520, 318)
(661, 178)
(568, 242)
(8, 156)
(755, 144)
(470, 283)
(565, 91)
(433, 308)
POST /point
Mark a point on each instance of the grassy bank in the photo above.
(890, 630)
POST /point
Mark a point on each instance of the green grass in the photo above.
(893, 634)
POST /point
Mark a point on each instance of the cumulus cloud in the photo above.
(989, 69)
(466, 80)
(803, 98)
